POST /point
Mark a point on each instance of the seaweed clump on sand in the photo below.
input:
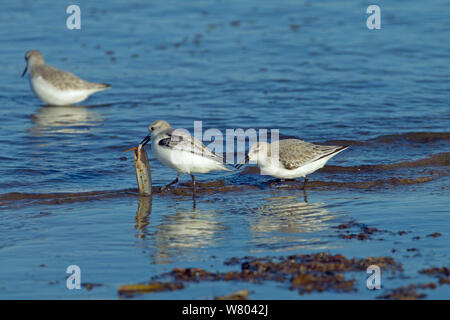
(90, 286)
(305, 273)
(238, 295)
(130, 290)
(311, 272)
(364, 232)
(435, 235)
(415, 137)
(443, 274)
(408, 293)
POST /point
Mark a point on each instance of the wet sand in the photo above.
(426, 170)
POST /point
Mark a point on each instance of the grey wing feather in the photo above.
(65, 80)
(294, 153)
(184, 141)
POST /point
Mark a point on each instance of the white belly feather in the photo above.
(185, 162)
(278, 171)
(54, 96)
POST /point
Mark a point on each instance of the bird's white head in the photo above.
(158, 126)
(33, 58)
(259, 152)
(154, 129)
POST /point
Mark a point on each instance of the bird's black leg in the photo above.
(304, 184)
(290, 181)
(173, 182)
(275, 182)
(193, 185)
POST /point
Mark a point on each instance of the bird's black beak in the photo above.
(146, 140)
(25, 71)
(238, 166)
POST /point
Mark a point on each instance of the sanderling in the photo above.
(178, 150)
(296, 158)
(57, 87)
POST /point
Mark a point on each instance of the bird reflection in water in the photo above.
(293, 215)
(182, 231)
(286, 222)
(64, 119)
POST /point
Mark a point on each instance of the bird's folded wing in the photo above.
(297, 153)
(61, 79)
(183, 141)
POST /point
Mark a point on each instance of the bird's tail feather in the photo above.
(335, 151)
(102, 86)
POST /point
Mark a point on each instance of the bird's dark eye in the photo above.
(152, 128)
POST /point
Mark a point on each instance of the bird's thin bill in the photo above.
(240, 165)
(24, 71)
(145, 140)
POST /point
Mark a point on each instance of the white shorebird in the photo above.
(177, 149)
(296, 158)
(57, 87)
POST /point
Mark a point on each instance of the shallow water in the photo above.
(314, 71)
